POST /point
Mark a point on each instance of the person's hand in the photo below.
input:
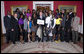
(6, 29)
(29, 30)
(52, 28)
(12, 29)
(63, 28)
(21, 30)
(68, 30)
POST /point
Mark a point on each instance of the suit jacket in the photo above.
(71, 15)
(75, 23)
(7, 22)
(68, 24)
(14, 24)
(41, 19)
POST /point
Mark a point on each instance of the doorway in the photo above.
(43, 5)
(43, 8)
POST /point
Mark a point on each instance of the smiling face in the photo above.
(34, 16)
(15, 15)
(40, 13)
(62, 15)
(62, 11)
(53, 16)
(8, 12)
(50, 12)
(23, 10)
(46, 14)
(21, 16)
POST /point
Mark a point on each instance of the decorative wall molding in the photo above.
(43, 2)
(2, 15)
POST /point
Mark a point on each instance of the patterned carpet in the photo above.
(43, 47)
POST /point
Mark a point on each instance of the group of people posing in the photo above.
(58, 26)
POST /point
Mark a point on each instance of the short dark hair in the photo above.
(57, 10)
(17, 9)
(15, 13)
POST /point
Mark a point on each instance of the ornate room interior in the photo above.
(42, 47)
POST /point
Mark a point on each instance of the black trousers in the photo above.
(25, 36)
(8, 34)
(67, 38)
(62, 34)
(39, 39)
(42, 34)
(17, 35)
(13, 36)
(62, 37)
(57, 26)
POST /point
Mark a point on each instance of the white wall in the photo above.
(81, 26)
(2, 15)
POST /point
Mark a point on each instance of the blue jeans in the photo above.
(56, 37)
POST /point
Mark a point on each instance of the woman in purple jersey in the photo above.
(21, 24)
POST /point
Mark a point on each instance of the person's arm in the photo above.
(25, 25)
(32, 23)
(72, 22)
(78, 21)
(54, 23)
(5, 22)
(20, 27)
(28, 25)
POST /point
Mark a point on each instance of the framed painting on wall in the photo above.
(21, 7)
(67, 7)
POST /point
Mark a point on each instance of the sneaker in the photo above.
(56, 41)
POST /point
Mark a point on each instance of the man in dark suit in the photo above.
(7, 25)
(14, 28)
(71, 15)
(42, 26)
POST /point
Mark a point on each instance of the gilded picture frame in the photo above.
(13, 8)
(67, 7)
